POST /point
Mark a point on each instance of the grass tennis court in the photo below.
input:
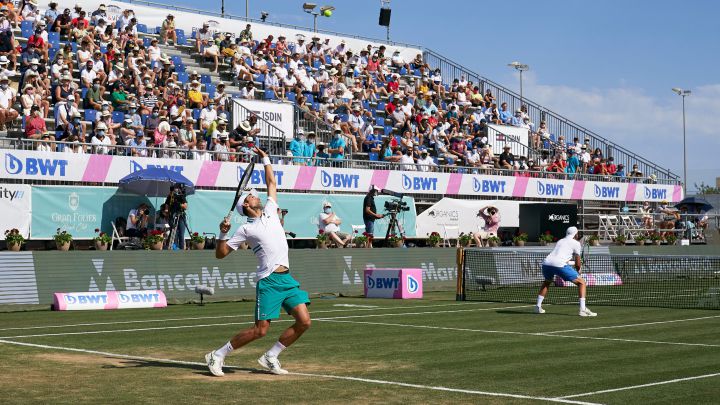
(434, 350)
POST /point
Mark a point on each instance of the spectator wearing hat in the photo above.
(208, 115)
(99, 14)
(44, 145)
(336, 148)
(506, 160)
(196, 99)
(34, 123)
(187, 135)
(585, 158)
(7, 99)
(126, 133)
(330, 223)
(100, 141)
(297, 148)
(221, 147)
(51, 13)
(167, 30)
(30, 98)
(73, 129)
(272, 83)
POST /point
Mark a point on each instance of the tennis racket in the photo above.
(244, 180)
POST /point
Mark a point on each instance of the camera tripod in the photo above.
(394, 228)
(177, 219)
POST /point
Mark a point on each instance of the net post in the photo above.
(459, 259)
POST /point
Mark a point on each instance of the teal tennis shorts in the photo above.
(275, 291)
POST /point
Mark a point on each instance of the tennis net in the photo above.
(625, 280)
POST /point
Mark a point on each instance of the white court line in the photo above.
(635, 324)
(232, 316)
(632, 387)
(246, 322)
(328, 376)
(340, 320)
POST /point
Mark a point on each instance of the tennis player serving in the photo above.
(275, 287)
(567, 250)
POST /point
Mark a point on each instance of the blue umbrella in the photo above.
(695, 204)
(154, 182)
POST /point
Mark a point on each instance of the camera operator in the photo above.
(137, 221)
(177, 203)
(370, 213)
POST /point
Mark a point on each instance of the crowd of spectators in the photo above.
(374, 102)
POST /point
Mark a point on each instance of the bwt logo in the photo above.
(556, 217)
(550, 189)
(488, 186)
(339, 180)
(258, 176)
(419, 183)
(607, 192)
(412, 284)
(35, 166)
(135, 166)
(138, 297)
(86, 299)
(384, 282)
(652, 193)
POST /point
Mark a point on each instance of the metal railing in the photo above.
(180, 153)
(270, 137)
(556, 123)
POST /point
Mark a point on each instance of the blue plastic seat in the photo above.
(373, 156)
(196, 114)
(291, 96)
(183, 77)
(118, 117)
(90, 115)
(380, 121)
(205, 79)
(142, 28)
(210, 88)
(26, 29)
(269, 95)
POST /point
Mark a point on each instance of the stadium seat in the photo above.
(26, 29)
(180, 69)
(51, 53)
(309, 97)
(380, 121)
(291, 96)
(183, 77)
(146, 41)
(83, 92)
(196, 114)
(269, 95)
(210, 89)
(179, 32)
(118, 117)
(388, 130)
(142, 28)
(74, 46)
(380, 106)
(90, 115)
(328, 59)
(403, 71)
(176, 60)
(373, 156)
(205, 79)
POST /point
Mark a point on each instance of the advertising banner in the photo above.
(81, 210)
(102, 300)
(463, 214)
(515, 137)
(33, 165)
(279, 114)
(15, 206)
(177, 273)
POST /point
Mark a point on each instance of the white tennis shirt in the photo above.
(266, 238)
(563, 252)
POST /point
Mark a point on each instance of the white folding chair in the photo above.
(450, 232)
(607, 225)
(116, 236)
(356, 231)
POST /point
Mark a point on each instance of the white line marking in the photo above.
(636, 324)
(340, 320)
(632, 387)
(232, 316)
(355, 306)
(336, 377)
(246, 322)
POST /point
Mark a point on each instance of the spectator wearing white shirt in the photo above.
(273, 83)
(200, 152)
(88, 74)
(329, 223)
(7, 99)
(100, 141)
(425, 163)
(407, 160)
(208, 115)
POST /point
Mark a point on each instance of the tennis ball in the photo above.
(327, 13)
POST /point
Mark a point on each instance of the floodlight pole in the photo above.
(247, 10)
(683, 93)
(315, 16)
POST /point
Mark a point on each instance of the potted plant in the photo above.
(593, 240)
(546, 238)
(197, 241)
(620, 239)
(361, 240)
(154, 240)
(464, 239)
(62, 240)
(14, 239)
(656, 238)
(670, 238)
(322, 239)
(640, 239)
(520, 239)
(434, 239)
(493, 241)
(102, 240)
(395, 241)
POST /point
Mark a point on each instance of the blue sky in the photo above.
(608, 65)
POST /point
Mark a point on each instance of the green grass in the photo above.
(431, 342)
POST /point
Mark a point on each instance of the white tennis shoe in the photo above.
(539, 310)
(587, 312)
(272, 364)
(215, 364)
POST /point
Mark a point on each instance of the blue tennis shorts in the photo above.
(369, 226)
(275, 291)
(568, 273)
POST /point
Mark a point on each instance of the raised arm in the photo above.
(269, 174)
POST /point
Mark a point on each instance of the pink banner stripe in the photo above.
(380, 178)
(630, 196)
(578, 190)
(59, 302)
(677, 194)
(454, 183)
(97, 168)
(162, 300)
(112, 300)
(520, 186)
(305, 178)
(208, 173)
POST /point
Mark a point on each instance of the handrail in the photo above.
(274, 137)
(558, 124)
(31, 144)
(276, 24)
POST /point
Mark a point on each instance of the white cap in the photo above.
(241, 201)
(571, 232)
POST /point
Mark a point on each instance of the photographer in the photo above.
(370, 213)
(177, 203)
(137, 221)
(491, 216)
